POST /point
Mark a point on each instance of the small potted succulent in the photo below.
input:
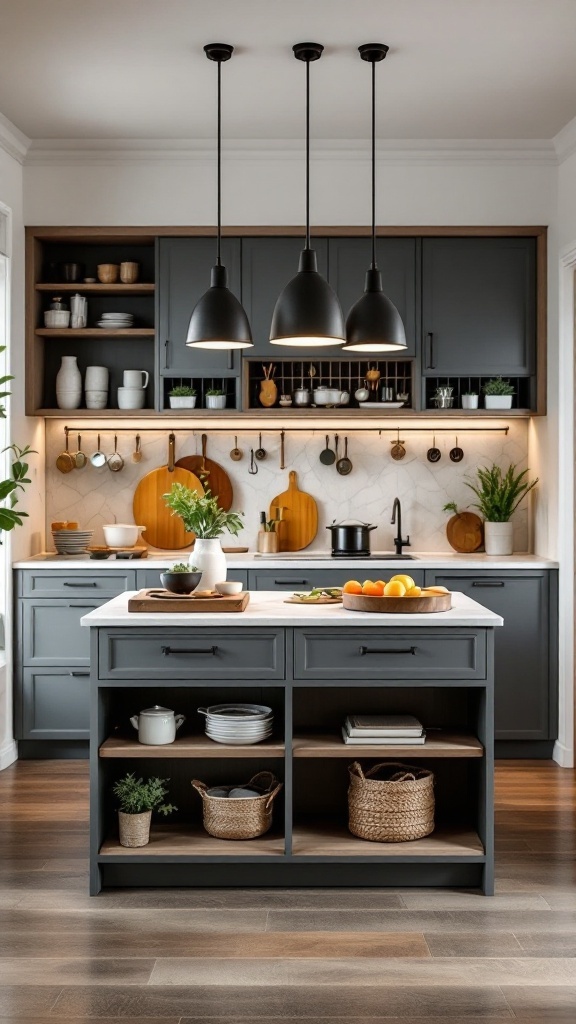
(182, 397)
(181, 578)
(499, 495)
(498, 393)
(215, 398)
(137, 799)
(470, 400)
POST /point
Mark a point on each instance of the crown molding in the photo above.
(46, 152)
(565, 141)
(12, 140)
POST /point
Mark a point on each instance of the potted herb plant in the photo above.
(470, 400)
(182, 578)
(215, 398)
(498, 393)
(137, 799)
(202, 515)
(182, 397)
(499, 495)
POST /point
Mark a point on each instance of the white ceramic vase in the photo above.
(68, 384)
(211, 560)
(498, 538)
(469, 401)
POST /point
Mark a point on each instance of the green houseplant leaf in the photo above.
(201, 514)
(499, 493)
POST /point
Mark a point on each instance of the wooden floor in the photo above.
(176, 956)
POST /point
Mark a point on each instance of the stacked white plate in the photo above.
(238, 724)
(116, 321)
(72, 542)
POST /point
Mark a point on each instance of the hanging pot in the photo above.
(350, 537)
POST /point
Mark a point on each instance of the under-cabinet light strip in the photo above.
(235, 429)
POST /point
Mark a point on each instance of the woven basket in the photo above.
(394, 807)
(134, 828)
(239, 818)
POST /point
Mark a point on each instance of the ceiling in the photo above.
(134, 69)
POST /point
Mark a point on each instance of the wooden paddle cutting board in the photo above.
(163, 530)
(156, 600)
(300, 517)
(216, 479)
(465, 532)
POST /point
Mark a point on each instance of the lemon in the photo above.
(406, 581)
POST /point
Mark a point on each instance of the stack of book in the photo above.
(383, 731)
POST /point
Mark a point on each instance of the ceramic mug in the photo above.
(96, 378)
(131, 398)
(129, 272)
(135, 378)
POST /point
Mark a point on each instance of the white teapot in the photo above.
(157, 725)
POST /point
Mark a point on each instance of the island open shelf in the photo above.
(188, 747)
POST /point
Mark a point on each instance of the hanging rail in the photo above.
(235, 429)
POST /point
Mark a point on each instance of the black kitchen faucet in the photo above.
(399, 541)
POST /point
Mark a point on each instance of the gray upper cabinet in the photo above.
(267, 266)
(184, 266)
(348, 261)
(478, 306)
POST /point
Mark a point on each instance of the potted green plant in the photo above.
(470, 400)
(182, 397)
(137, 799)
(497, 393)
(215, 398)
(202, 515)
(499, 493)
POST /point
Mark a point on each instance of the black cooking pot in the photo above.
(351, 537)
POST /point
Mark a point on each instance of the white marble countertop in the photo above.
(269, 608)
(300, 559)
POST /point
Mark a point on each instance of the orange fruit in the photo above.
(352, 587)
(394, 589)
(414, 592)
(381, 583)
(372, 589)
(406, 581)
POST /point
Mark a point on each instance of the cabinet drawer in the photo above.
(76, 584)
(389, 654)
(55, 704)
(52, 634)
(297, 579)
(185, 654)
(151, 577)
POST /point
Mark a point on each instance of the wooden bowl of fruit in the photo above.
(397, 596)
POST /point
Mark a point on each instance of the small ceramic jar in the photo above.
(157, 725)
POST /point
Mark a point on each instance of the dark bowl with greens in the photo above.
(181, 578)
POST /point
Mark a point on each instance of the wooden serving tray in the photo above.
(157, 600)
(397, 605)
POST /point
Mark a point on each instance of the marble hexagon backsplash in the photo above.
(98, 496)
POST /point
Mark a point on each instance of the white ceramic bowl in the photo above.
(229, 587)
(121, 535)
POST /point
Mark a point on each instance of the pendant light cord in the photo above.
(219, 177)
(373, 164)
(307, 154)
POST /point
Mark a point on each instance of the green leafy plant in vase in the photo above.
(137, 798)
(215, 398)
(182, 397)
(499, 494)
(498, 393)
(202, 515)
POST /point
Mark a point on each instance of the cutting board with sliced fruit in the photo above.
(397, 596)
(319, 595)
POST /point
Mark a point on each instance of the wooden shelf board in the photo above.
(100, 289)
(437, 745)
(95, 414)
(188, 746)
(95, 332)
(328, 839)
(193, 841)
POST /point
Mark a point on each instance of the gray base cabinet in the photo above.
(306, 578)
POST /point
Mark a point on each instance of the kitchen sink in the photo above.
(326, 556)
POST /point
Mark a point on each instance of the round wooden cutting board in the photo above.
(163, 530)
(465, 532)
(397, 605)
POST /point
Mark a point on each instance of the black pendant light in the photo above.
(374, 324)
(218, 319)
(307, 312)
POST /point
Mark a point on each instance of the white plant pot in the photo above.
(215, 401)
(211, 560)
(68, 384)
(469, 401)
(498, 401)
(182, 401)
(498, 538)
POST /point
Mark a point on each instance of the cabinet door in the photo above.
(478, 306)
(523, 680)
(267, 266)
(348, 261)
(184, 266)
(55, 704)
(52, 634)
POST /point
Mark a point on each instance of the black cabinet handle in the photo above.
(385, 650)
(75, 604)
(230, 359)
(166, 346)
(291, 583)
(84, 672)
(431, 363)
(93, 583)
(188, 650)
(488, 583)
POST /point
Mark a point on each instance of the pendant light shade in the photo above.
(374, 324)
(218, 319)
(307, 313)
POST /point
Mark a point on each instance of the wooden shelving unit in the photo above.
(95, 289)
(189, 747)
(437, 745)
(94, 332)
(333, 840)
(192, 841)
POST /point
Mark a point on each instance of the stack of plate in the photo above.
(72, 542)
(116, 321)
(238, 724)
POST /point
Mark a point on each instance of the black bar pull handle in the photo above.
(291, 583)
(188, 650)
(385, 650)
(488, 583)
(166, 348)
(431, 363)
(84, 672)
(76, 604)
(92, 583)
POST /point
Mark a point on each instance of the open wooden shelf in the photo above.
(100, 289)
(191, 841)
(441, 744)
(328, 839)
(95, 414)
(189, 746)
(94, 332)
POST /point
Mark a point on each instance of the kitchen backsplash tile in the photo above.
(97, 496)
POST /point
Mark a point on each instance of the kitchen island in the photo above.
(312, 665)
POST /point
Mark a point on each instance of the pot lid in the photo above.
(350, 522)
(157, 710)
